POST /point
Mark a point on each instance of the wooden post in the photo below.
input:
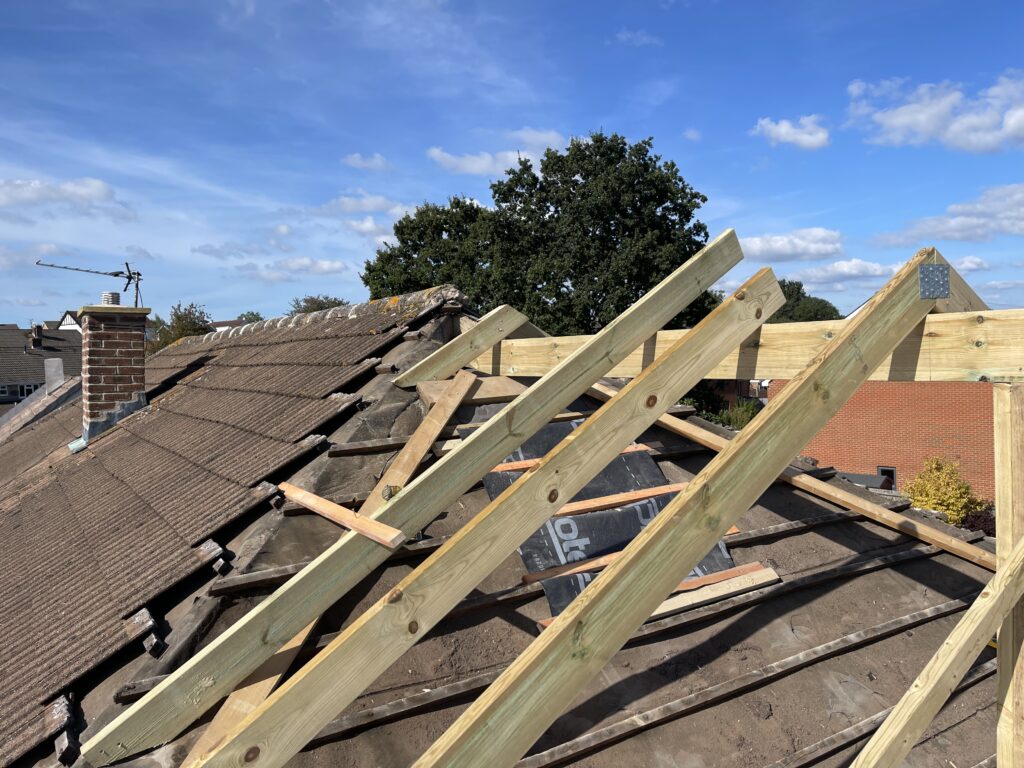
(904, 726)
(211, 674)
(325, 686)
(509, 717)
(492, 328)
(1008, 413)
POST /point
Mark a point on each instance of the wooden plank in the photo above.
(709, 588)
(813, 753)
(525, 464)
(372, 529)
(831, 493)
(460, 351)
(962, 297)
(602, 562)
(218, 668)
(485, 391)
(1008, 417)
(727, 689)
(929, 691)
(451, 395)
(244, 699)
(367, 647)
(506, 720)
(959, 346)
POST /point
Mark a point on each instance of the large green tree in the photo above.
(801, 307)
(572, 243)
(185, 320)
(315, 303)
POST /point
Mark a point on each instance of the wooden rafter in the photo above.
(505, 721)
(217, 669)
(326, 685)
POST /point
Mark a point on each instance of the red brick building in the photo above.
(896, 425)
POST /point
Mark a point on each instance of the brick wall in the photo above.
(113, 365)
(900, 424)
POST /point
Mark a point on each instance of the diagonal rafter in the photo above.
(297, 711)
(211, 674)
(502, 724)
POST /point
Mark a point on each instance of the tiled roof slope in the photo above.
(86, 540)
(21, 363)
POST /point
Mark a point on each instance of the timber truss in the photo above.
(925, 324)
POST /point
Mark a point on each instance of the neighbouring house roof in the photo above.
(87, 540)
(20, 362)
(232, 410)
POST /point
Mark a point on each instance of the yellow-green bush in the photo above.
(940, 487)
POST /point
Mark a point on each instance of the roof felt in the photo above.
(20, 362)
(88, 539)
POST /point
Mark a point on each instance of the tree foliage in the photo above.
(250, 316)
(185, 320)
(941, 487)
(315, 303)
(801, 307)
(572, 243)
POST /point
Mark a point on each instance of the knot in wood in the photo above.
(414, 627)
(979, 343)
(394, 595)
(980, 319)
(758, 313)
(553, 495)
(251, 754)
(741, 295)
(652, 400)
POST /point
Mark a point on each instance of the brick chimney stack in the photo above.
(113, 366)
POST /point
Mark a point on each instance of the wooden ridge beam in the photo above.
(368, 646)
(959, 346)
(460, 351)
(830, 493)
(1008, 412)
(508, 718)
(904, 726)
(727, 689)
(219, 667)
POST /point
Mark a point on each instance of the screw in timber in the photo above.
(741, 295)
(652, 400)
(251, 754)
(553, 495)
(979, 343)
(394, 595)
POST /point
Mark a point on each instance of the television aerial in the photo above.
(130, 276)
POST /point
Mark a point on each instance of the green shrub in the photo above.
(739, 415)
(941, 487)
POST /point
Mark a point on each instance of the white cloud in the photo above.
(21, 302)
(692, 134)
(530, 144)
(839, 275)
(82, 197)
(798, 245)
(999, 211)
(229, 250)
(282, 230)
(27, 255)
(806, 133)
(896, 115)
(374, 162)
(291, 269)
(481, 164)
(970, 264)
(359, 202)
(368, 226)
(636, 37)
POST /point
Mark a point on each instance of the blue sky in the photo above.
(240, 153)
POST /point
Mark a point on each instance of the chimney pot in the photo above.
(109, 298)
(37, 336)
(113, 365)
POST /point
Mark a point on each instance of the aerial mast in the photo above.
(130, 276)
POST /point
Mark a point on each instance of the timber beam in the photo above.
(957, 346)
(304, 704)
(509, 717)
(215, 671)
